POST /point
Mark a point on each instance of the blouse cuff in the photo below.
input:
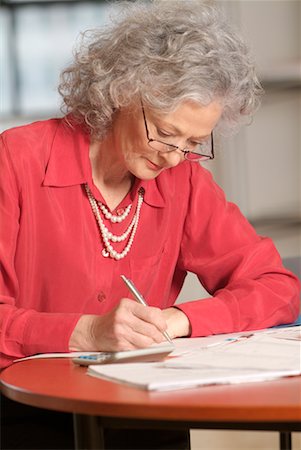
(48, 332)
(208, 316)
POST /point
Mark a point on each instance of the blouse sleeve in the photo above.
(242, 271)
(22, 331)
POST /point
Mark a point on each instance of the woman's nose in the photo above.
(173, 158)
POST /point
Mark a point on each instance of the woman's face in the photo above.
(188, 125)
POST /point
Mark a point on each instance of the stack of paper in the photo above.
(239, 358)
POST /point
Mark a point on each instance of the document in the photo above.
(227, 359)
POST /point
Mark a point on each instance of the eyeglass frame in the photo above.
(176, 147)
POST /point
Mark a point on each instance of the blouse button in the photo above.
(101, 296)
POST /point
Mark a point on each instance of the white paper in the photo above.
(153, 376)
(239, 358)
(261, 352)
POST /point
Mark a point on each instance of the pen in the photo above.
(138, 296)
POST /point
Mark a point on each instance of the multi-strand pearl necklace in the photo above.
(106, 235)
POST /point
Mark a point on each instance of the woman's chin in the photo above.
(146, 170)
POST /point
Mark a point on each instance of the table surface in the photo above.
(60, 385)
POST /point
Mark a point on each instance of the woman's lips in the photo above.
(153, 166)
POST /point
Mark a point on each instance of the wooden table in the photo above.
(60, 385)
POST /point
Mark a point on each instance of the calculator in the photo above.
(150, 354)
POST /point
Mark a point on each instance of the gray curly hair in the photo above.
(164, 52)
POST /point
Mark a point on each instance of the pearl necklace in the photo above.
(111, 217)
(106, 235)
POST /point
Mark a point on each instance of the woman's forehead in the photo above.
(189, 117)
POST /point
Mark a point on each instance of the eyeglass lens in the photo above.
(200, 152)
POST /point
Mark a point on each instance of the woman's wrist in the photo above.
(81, 338)
(178, 324)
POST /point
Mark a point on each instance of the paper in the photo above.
(239, 358)
(156, 377)
(261, 352)
(290, 334)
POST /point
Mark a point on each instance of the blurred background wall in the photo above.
(259, 168)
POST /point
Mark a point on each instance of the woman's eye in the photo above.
(163, 134)
(196, 144)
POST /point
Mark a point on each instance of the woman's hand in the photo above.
(130, 325)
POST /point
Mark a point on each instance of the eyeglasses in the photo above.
(200, 151)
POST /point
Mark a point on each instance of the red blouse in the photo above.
(52, 268)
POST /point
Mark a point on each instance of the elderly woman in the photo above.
(115, 187)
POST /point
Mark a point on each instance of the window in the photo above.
(36, 44)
